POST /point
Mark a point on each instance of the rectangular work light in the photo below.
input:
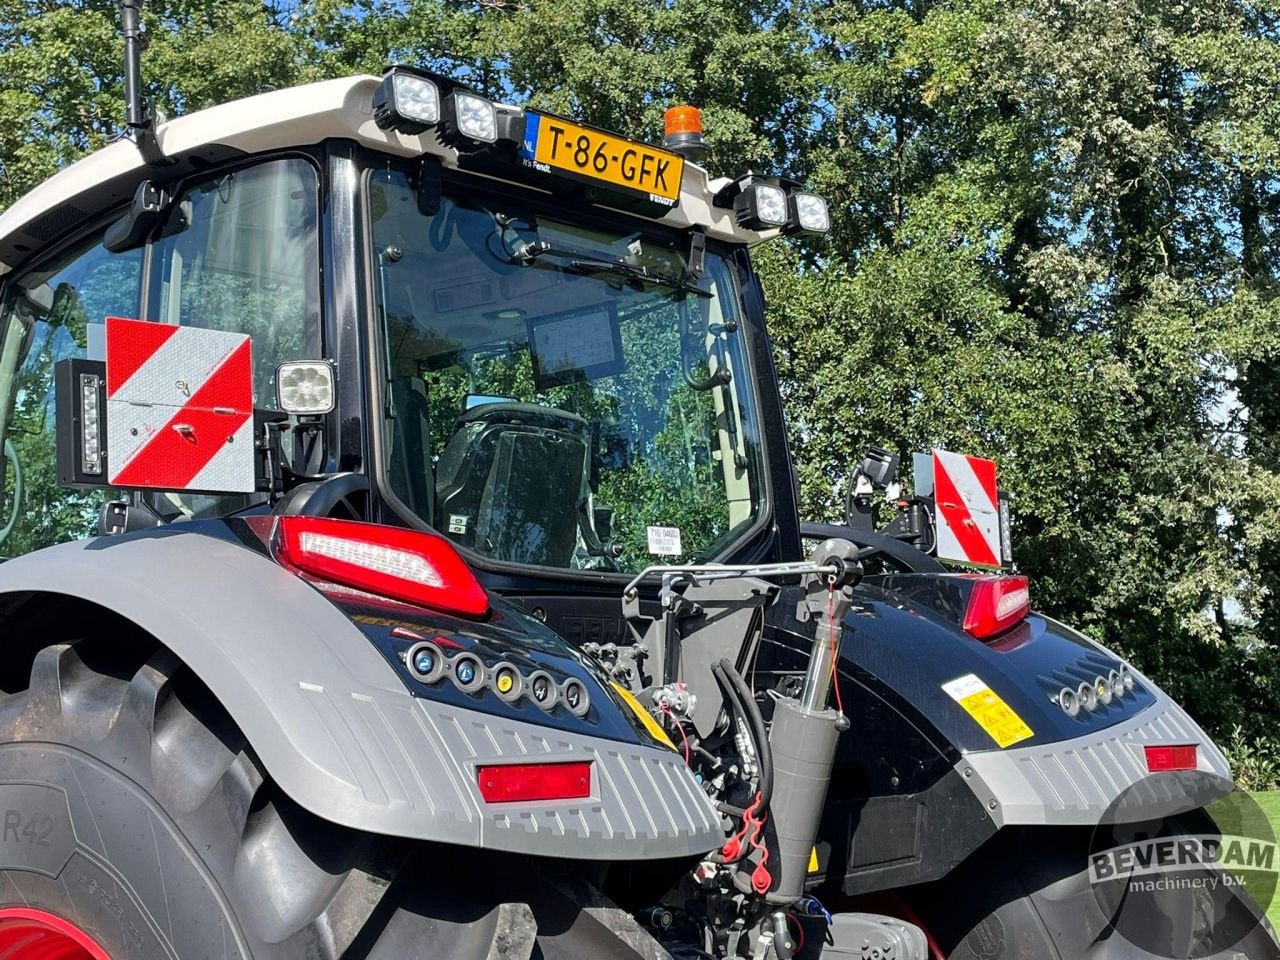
(470, 122)
(809, 214)
(473, 116)
(406, 102)
(305, 387)
(761, 206)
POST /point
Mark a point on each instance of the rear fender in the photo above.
(335, 726)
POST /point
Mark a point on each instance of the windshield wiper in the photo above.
(584, 261)
(632, 271)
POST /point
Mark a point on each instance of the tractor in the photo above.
(404, 560)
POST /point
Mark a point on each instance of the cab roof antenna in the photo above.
(140, 117)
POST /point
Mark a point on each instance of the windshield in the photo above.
(559, 395)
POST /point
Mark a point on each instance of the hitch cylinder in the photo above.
(804, 746)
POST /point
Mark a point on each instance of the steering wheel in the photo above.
(11, 456)
(335, 497)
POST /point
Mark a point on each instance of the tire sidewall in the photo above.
(80, 839)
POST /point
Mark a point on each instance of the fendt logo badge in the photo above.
(1177, 878)
(179, 407)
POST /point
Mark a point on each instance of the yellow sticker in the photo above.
(646, 718)
(984, 705)
(813, 860)
(505, 682)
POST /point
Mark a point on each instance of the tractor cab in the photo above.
(542, 341)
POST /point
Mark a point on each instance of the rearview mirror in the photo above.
(146, 210)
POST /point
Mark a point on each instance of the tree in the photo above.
(1054, 242)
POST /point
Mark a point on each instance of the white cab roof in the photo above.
(299, 116)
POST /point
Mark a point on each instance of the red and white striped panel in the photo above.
(179, 407)
(967, 514)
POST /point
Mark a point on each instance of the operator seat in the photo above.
(512, 482)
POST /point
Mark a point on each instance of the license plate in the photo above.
(601, 157)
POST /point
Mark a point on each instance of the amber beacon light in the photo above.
(682, 132)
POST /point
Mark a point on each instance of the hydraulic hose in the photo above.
(744, 704)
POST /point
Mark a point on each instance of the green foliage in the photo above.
(1054, 242)
(1254, 763)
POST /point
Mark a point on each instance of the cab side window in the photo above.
(52, 313)
(240, 253)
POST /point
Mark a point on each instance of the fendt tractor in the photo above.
(405, 562)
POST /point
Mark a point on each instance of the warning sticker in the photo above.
(984, 705)
(664, 541)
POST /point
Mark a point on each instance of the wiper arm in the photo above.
(635, 272)
(530, 250)
(583, 261)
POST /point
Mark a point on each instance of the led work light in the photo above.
(305, 387)
(809, 214)
(91, 457)
(761, 206)
(470, 122)
(474, 116)
(406, 102)
(771, 203)
(80, 411)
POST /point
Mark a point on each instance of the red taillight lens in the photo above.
(406, 565)
(996, 603)
(512, 782)
(1161, 758)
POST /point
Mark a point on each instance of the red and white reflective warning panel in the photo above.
(968, 511)
(179, 407)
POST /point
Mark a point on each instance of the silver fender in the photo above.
(337, 729)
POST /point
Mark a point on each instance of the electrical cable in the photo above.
(683, 736)
(835, 649)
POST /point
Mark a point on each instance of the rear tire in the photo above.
(1027, 894)
(131, 807)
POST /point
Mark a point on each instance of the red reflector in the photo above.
(996, 603)
(406, 565)
(1160, 758)
(512, 782)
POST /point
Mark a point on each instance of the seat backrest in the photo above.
(512, 483)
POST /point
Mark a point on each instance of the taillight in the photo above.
(1161, 758)
(418, 568)
(996, 603)
(514, 782)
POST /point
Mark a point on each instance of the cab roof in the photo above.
(295, 117)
